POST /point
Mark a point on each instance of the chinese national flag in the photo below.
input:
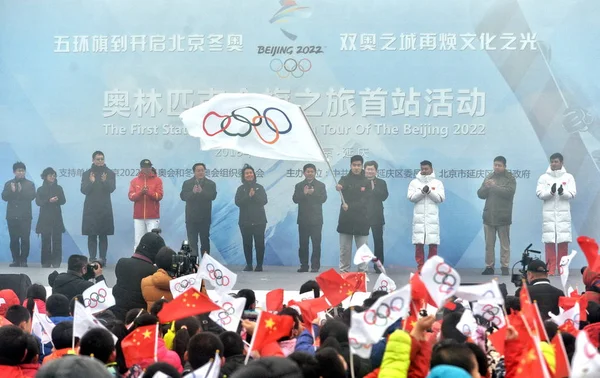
(567, 303)
(275, 300)
(310, 309)
(270, 328)
(590, 250)
(568, 327)
(358, 280)
(562, 361)
(531, 314)
(531, 364)
(190, 303)
(497, 339)
(411, 319)
(419, 293)
(139, 344)
(334, 287)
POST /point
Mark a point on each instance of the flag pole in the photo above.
(253, 339)
(156, 344)
(322, 153)
(351, 364)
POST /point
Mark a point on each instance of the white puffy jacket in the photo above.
(556, 210)
(426, 220)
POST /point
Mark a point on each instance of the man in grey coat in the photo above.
(498, 190)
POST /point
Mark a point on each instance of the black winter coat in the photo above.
(354, 221)
(198, 206)
(50, 219)
(128, 289)
(375, 202)
(232, 364)
(310, 207)
(19, 202)
(252, 209)
(546, 296)
(70, 284)
(97, 209)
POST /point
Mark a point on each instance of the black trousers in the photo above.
(95, 241)
(52, 248)
(312, 232)
(18, 232)
(377, 232)
(203, 230)
(256, 233)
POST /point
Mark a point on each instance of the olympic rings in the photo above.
(491, 294)
(381, 316)
(356, 345)
(253, 120)
(290, 66)
(95, 299)
(383, 286)
(490, 313)
(561, 267)
(443, 276)
(217, 276)
(183, 285)
(466, 330)
(225, 315)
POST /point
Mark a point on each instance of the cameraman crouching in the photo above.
(75, 281)
(540, 289)
(156, 286)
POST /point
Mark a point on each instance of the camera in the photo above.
(90, 269)
(184, 262)
(517, 278)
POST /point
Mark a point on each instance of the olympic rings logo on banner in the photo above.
(381, 315)
(384, 286)
(290, 66)
(444, 277)
(253, 121)
(490, 313)
(466, 330)
(354, 344)
(184, 284)
(217, 276)
(95, 299)
(225, 315)
(489, 294)
(561, 267)
(366, 259)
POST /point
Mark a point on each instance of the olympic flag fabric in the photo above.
(83, 321)
(383, 313)
(467, 324)
(363, 255)
(230, 314)
(384, 283)
(358, 336)
(254, 124)
(490, 311)
(221, 278)
(440, 279)
(586, 359)
(211, 369)
(179, 285)
(563, 268)
(489, 291)
(41, 326)
(98, 298)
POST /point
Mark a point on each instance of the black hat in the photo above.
(537, 266)
(149, 245)
(145, 163)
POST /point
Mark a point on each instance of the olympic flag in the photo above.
(221, 278)
(181, 284)
(440, 279)
(384, 283)
(230, 314)
(254, 124)
(98, 298)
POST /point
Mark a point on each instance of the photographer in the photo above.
(130, 272)
(156, 286)
(75, 281)
(540, 289)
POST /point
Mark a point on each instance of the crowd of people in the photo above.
(419, 345)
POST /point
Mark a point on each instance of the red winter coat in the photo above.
(146, 205)
(29, 370)
(11, 372)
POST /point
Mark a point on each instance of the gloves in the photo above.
(560, 190)
(553, 189)
(426, 189)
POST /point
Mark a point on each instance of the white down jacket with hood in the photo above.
(556, 210)
(426, 220)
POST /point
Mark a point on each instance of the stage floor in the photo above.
(274, 277)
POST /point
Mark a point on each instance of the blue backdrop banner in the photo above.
(456, 83)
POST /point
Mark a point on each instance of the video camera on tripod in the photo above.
(517, 279)
(183, 262)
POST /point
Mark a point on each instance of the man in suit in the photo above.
(378, 194)
(310, 195)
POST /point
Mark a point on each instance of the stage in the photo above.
(274, 277)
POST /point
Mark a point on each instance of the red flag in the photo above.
(275, 300)
(358, 280)
(562, 361)
(567, 303)
(419, 293)
(310, 309)
(270, 328)
(590, 250)
(568, 327)
(530, 363)
(334, 287)
(139, 344)
(497, 339)
(532, 315)
(190, 303)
